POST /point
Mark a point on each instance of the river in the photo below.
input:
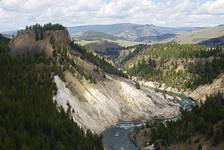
(117, 137)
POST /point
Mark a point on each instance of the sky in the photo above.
(16, 14)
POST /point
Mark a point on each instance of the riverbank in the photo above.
(198, 94)
(200, 128)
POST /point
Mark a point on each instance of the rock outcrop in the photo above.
(26, 41)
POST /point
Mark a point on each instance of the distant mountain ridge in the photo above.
(92, 35)
(128, 31)
(161, 38)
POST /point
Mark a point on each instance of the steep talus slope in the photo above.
(98, 106)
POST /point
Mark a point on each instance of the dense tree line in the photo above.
(96, 60)
(39, 30)
(206, 120)
(46, 27)
(29, 119)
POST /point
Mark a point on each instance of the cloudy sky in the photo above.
(16, 14)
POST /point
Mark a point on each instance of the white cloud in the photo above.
(19, 13)
(213, 7)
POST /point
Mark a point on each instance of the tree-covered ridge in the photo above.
(45, 27)
(179, 66)
(96, 60)
(29, 119)
(206, 120)
(174, 50)
(39, 29)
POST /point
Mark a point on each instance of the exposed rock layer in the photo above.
(98, 106)
(26, 41)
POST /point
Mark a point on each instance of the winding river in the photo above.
(117, 137)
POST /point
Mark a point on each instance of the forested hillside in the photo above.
(29, 119)
(105, 48)
(179, 66)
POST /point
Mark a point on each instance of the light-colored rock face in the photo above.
(98, 106)
(198, 94)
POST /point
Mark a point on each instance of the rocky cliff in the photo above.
(26, 41)
(99, 106)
